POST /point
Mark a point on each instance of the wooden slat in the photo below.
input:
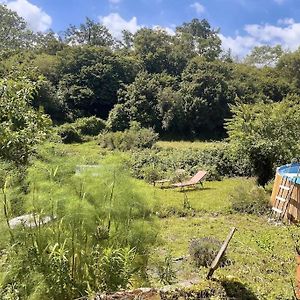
(215, 264)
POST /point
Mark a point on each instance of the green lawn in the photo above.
(213, 197)
(262, 254)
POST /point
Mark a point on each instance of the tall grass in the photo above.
(99, 236)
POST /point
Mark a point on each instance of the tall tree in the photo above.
(207, 93)
(14, 34)
(264, 56)
(198, 36)
(289, 66)
(89, 33)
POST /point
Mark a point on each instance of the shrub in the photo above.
(217, 162)
(69, 134)
(250, 198)
(90, 126)
(166, 272)
(203, 251)
(21, 126)
(151, 174)
(266, 133)
(133, 138)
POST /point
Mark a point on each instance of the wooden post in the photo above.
(215, 264)
(297, 292)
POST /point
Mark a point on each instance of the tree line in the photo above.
(181, 85)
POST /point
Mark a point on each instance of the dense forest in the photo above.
(83, 85)
(180, 85)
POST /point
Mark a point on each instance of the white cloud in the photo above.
(286, 21)
(115, 23)
(114, 1)
(286, 34)
(239, 45)
(199, 8)
(37, 19)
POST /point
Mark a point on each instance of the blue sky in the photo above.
(243, 23)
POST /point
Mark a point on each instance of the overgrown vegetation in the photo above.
(134, 138)
(98, 238)
(93, 227)
(250, 198)
(163, 163)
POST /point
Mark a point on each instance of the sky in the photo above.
(243, 24)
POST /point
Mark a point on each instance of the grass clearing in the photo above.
(213, 197)
(261, 255)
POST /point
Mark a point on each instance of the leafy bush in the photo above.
(250, 198)
(133, 138)
(90, 126)
(217, 162)
(266, 133)
(203, 251)
(151, 174)
(69, 134)
(21, 126)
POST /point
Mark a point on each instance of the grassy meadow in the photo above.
(261, 255)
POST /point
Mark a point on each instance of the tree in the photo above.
(171, 109)
(252, 83)
(198, 36)
(90, 79)
(89, 33)
(153, 47)
(21, 127)
(264, 56)
(14, 34)
(140, 99)
(207, 93)
(289, 67)
(267, 133)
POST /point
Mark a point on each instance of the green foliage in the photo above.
(203, 251)
(206, 96)
(264, 55)
(90, 125)
(218, 162)
(118, 119)
(99, 236)
(130, 139)
(88, 33)
(266, 133)
(250, 199)
(69, 134)
(21, 127)
(14, 34)
(114, 268)
(198, 36)
(288, 66)
(140, 100)
(90, 79)
(166, 272)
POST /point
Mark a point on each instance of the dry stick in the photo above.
(215, 264)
